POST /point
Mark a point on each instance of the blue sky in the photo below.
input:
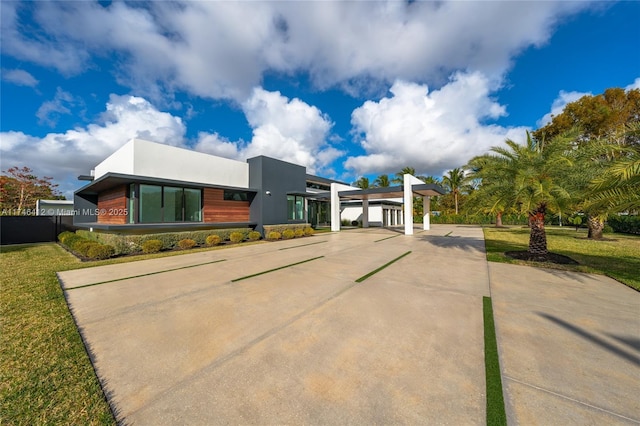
(344, 88)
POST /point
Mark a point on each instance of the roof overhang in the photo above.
(111, 180)
(426, 189)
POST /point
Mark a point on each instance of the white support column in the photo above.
(426, 209)
(335, 208)
(365, 212)
(408, 205)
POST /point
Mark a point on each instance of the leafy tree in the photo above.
(454, 181)
(362, 183)
(603, 139)
(617, 188)
(491, 196)
(399, 177)
(600, 116)
(532, 177)
(382, 181)
(20, 189)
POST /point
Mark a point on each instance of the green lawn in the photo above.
(618, 256)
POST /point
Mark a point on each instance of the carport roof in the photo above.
(426, 189)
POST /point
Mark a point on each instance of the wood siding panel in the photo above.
(112, 206)
(218, 210)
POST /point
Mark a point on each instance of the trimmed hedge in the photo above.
(282, 227)
(151, 246)
(274, 235)
(132, 243)
(625, 224)
(186, 243)
(236, 237)
(213, 240)
(287, 234)
(254, 236)
(84, 247)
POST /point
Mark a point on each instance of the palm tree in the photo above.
(399, 179)
(454, 180)
(382, 181)
(362, 183)
(429, 179)
(490, 196)
(533, 178)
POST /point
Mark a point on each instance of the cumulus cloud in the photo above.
(430, 131)
(634, 85)
(50, 111)
(19, 77)
(558, 105)
(288, 129)
(222, 49)
(67, 155)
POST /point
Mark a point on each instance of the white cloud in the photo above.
(222, 49)
(19, 77)
(287, 129)
(634, 85)
(64, 156)
(558, 105)
(50, 111)
(430, 131)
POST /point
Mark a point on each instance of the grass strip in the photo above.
(448, 233)
(145, 275)
(375, 271)
(495, 401)
(302, 245)
(275, 269)
(45, 373)
(386, 238)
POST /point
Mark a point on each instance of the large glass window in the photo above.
(192, 205)
(172, 204)
(150, 203)
(165, 204)
(295, 207)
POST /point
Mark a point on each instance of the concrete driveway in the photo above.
(196, 339)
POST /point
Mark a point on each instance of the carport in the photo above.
(412, 187)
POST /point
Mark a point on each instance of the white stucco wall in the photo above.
(120, 161)
(143, 158)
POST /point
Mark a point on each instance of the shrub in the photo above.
(71, 240)
(309, 231)
(186, 243)
(287, 234)
(152, 246)
(236, 237)
(213, 240)
(607, 229)
(100, 251)
(274, 235)
(254, 236)
(82, 247)
(64, 235)
(298, 232)
(628, 224)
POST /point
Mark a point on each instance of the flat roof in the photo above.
(425, 189)
(111, 180)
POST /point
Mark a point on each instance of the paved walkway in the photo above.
(184, 341)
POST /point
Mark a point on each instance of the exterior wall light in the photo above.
(268, 192)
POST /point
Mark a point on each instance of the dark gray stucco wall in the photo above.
(85, 207)
(278, 178)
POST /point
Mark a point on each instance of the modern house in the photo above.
(150, 187)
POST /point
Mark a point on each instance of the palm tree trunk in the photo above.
(499, 220)
(538, 235)
(455, 197)
(596, 226)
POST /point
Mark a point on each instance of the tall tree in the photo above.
(533, 178)
(399, 177)
(491, 195)
(382, 181)
(363, 182)
(454, 180)
(603, 120)
(20, 188)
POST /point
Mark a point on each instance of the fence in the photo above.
(33, 229)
